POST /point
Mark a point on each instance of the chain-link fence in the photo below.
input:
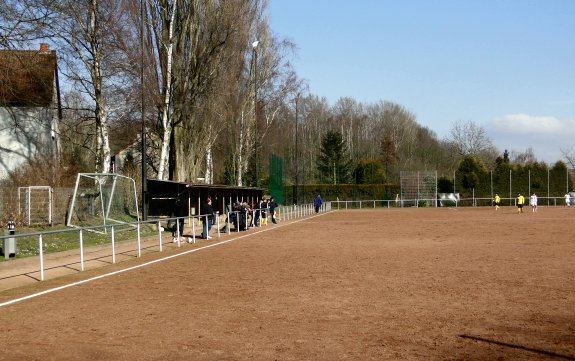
(17, 206)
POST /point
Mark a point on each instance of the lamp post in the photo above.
(296, 151)
(143, 118)
(255, 60)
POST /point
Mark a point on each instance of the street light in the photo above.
(296, 150)
(143, 118)
(255, 60)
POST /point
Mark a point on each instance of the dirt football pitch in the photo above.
(387, 284)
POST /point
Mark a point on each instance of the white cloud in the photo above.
(533, 125)
(548, 136)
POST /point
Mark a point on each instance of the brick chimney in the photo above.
(44, 48)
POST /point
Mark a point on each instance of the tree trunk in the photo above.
(167, 87)
(103, 153)
(209, 178)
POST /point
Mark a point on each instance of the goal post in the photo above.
(418, 188)
(103, 199)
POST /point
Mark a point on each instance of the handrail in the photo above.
(285, 212)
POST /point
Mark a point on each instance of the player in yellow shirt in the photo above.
(497, 200)
(520, 202)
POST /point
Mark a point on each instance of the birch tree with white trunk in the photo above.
(162, 21)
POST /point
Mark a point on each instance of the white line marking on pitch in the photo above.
(34, 295)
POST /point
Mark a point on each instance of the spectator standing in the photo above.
(533, 201)
(317, 203)
(207, 218)
(179, 213)
(239, 216)
(249, 214)
(272, 205)
(264, 212)
(256, 214)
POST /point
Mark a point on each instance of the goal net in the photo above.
(103, 199)
(419, 189)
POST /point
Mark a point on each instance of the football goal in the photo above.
(419, 189)
(103, 199)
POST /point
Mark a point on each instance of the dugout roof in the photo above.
(162, 196)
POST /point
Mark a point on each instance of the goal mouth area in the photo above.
(102, 200)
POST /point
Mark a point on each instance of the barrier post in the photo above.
(193, 230)
(160, 234)
(114, 245)
(81, 250)
(139, 241)
(228, 222)
(178, 231)
(41, 251)
(218, 223)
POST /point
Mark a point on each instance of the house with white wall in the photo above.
(29, 107)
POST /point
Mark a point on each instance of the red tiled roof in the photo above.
(26, 78)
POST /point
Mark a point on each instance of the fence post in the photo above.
(41, 251)
(193, 230)
(160, 235)
(228, 222)
(139, 242)
(81, 250)
(114, 245)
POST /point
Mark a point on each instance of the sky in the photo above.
(505, 65)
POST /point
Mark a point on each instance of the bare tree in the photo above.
(523, 158)
(469, 138)
(400, 130)
(21, 23)
(569, 157)
(263, 85)
(315, 122)
(208, 36)
(349, 118)
(161, 27)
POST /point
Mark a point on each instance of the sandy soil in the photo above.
(391, 284)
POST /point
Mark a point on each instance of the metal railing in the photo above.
(431, 202)
(284, 213)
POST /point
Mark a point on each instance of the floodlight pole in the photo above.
(255, 60)
(296, 151)
(143, 119)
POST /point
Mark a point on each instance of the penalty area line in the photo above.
(78, 283)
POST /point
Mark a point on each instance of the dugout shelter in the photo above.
(163, 195)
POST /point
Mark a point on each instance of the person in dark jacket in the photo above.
(272, 205)
(317, 203)
(207, 218)
(180, 213)
(264, 212)
(239, 216)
